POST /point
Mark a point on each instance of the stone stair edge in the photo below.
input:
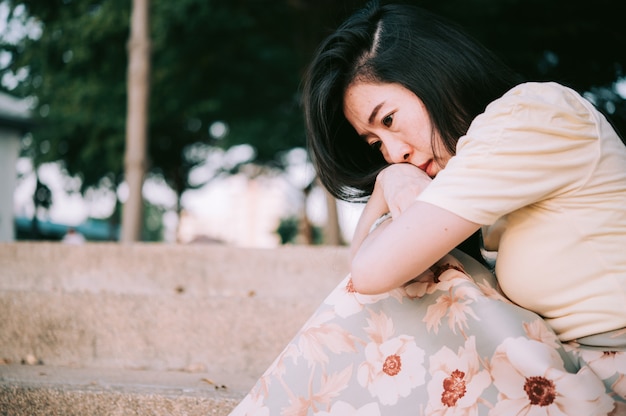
(170, 383)
(51, 249)
(206, 269)
(167, 268)
(89, 329)
(48, 390)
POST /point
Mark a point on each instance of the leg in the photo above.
(444, 344)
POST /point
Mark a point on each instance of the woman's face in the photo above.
(391, 118)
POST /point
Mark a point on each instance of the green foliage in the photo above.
(212, 60)
(574, 42)
(288, 229)
(241, 62)
(77, 73)
(221, 61)
(153, 227)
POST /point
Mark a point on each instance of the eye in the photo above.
(388, 120)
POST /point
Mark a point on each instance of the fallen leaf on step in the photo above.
(208, 381)
(211, 382)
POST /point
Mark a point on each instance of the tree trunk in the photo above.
(305, 228)
(332, 232)
(137, 120)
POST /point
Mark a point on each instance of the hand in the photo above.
(401, 183)
(395, 190)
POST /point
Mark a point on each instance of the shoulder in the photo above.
(534, 111)
(539, 139)
(545, 98)
(528, 126)
(539, 89)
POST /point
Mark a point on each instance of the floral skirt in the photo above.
(447, 343)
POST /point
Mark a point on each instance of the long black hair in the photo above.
(453, 75)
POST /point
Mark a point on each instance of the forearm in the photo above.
(403, 248)
(375, 208)
(395, 189)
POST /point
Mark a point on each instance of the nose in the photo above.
(398, 152)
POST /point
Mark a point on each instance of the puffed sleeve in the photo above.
(537, 142)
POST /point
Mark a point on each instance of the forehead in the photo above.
(362, 96)
(366, 89)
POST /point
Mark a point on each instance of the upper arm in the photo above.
(407, 246)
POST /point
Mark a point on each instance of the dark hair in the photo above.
(453, 75)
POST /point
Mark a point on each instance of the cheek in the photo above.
(422, 143)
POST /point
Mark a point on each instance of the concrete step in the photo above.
(196, 270)
(44, 390)
(147, 312)
(154, 332)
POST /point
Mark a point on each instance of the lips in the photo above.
(425, 166)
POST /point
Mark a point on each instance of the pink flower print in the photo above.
(347, 301)
(619, 387)
(393, 366)
(446, 273)
(605, 363)
(276, 370)
(532, 381)
(492, 292)
(251, 406)
(620, 409)
(298, 406)
(455, 306)
(421, 285)
(319, 335)
(332, 385)
(449, 260)
(539, 331)
(572, 347)
(380, 327)
(392, 369)
(344, 409)
(457, 381)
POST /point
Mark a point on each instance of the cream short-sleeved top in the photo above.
(547, 161)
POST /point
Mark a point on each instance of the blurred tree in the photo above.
(215, 63)
(76, 71)
(288, 229)
(71, 57)
(577, 43)
(574, 42)
(235, 66)
(138, 92)
(42, 200)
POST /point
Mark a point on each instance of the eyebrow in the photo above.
(375, 112)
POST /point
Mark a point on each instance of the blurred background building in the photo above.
(15, 120)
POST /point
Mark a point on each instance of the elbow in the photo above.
(365, 279)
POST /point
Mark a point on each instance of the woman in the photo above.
(444, 140)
